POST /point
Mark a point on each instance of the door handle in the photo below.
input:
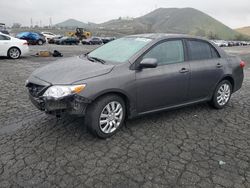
(219, 65)
(184, 70)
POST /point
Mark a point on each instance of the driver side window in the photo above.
(168, 52)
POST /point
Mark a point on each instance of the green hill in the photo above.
(71, 23)
(174, 20)
(244, 30)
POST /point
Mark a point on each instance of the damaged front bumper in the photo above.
(73, 105)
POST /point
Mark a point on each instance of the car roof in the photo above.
(47, 32)
(4, 34)
(27, 33)
(155, 36)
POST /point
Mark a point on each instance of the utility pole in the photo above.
(31, 23)
(50, 22)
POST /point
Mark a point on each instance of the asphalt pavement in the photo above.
(195, 146)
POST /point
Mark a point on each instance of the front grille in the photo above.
(36, 90)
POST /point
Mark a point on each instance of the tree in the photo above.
(212, 36)
(241, 37)
(200, 32)
(16, 25)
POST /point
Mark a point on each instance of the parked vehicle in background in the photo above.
(244, 43)
(12, 47)
(221, 43)
(80, 33)
(3, 29)
(136, 75)
(107, 39)
(67, 41)
(54, 39)
(230, 43)
(92, 41)
(49, 35)
(32, 37)
(239, 43)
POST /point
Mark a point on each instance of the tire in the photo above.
(40, 42)
(105, 116)
(14, 53)
(222, 95)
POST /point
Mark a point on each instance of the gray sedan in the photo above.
(134, 76)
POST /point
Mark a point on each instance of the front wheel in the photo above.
(106, 116)
(222, 94)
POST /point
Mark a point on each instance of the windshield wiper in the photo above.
(95, 59)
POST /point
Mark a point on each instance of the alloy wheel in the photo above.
(111, 117)
(14, 53)
(223, 95)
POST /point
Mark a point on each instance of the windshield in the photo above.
(120, 50)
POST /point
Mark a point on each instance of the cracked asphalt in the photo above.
(195, 146)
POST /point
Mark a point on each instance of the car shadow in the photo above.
(75, 128)
(7, 58)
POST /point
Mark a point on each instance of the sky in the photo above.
(233, 13)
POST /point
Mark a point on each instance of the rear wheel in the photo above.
(40, 42)
(14, 53)
(106, 116)
(222, 94)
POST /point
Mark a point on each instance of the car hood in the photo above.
(70, 70)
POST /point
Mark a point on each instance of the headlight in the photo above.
(63, 91)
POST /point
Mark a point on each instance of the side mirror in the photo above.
(148, 63)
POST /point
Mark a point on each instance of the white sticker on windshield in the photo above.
(143, 39)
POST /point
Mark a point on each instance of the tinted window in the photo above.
(2, 37)
(167, 52)
(199, 50)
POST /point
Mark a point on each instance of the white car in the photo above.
(221, 43)
(48, 35)
(12, 47)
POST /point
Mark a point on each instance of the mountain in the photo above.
(244, 30)
(71, 23)
(173, 20)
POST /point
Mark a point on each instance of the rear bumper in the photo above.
(238, 81)
(73, 105)
(24, 50)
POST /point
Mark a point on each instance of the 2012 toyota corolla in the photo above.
(136, 75)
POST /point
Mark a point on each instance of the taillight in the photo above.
(25, 43)
(242, 64)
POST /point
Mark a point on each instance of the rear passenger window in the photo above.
(199, 50)
(2, 37)
(167, 52)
